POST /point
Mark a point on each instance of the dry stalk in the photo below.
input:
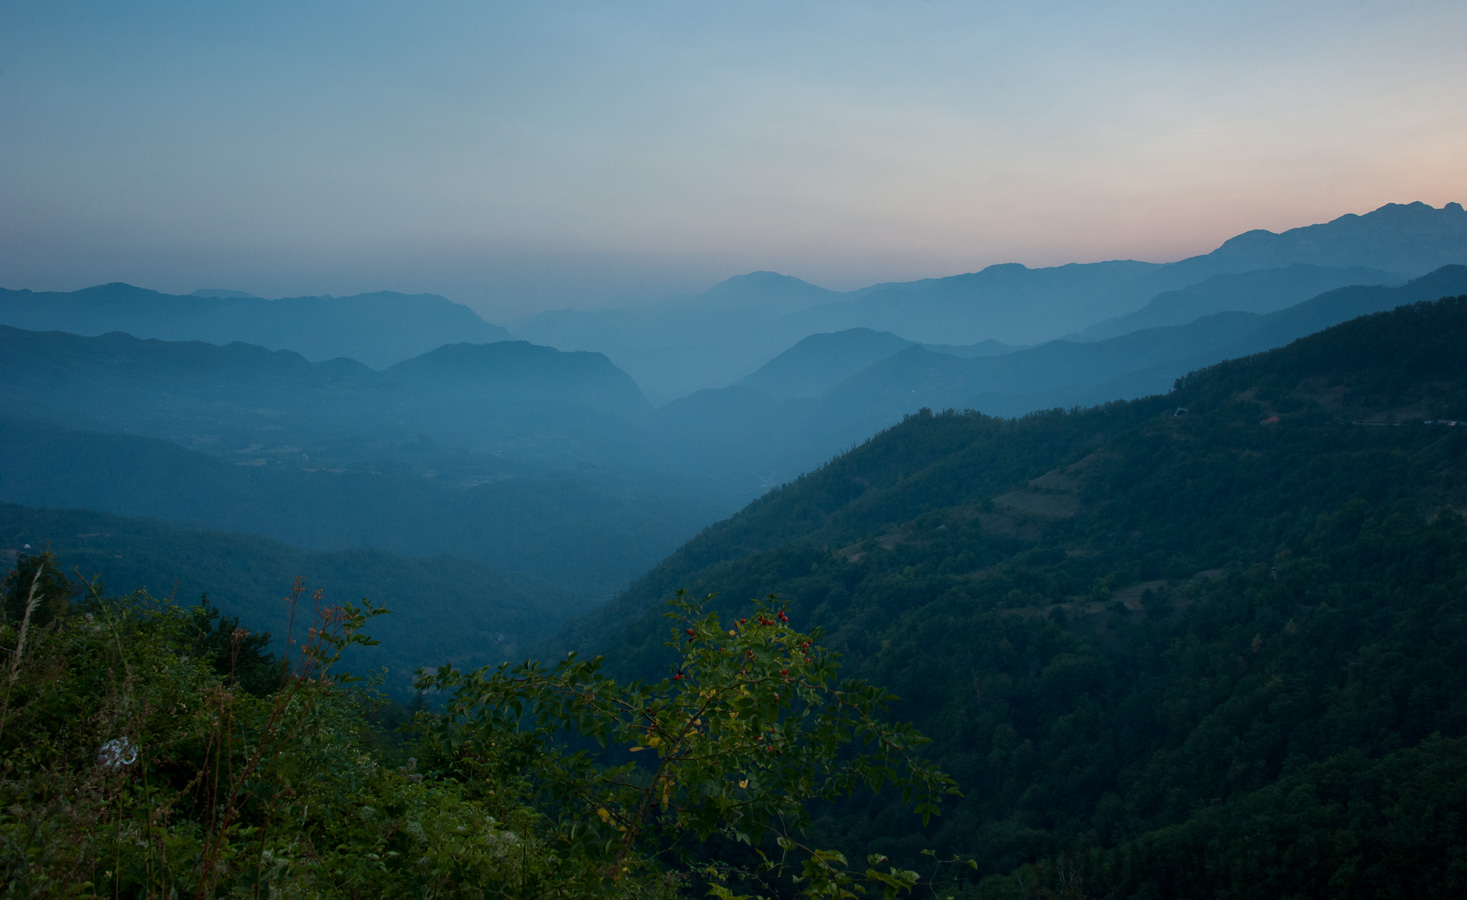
(19, 653)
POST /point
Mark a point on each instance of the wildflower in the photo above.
(117, 753)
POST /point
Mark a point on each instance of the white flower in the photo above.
(117, 753)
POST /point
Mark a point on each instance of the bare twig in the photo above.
(19, 653)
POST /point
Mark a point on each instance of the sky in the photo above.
(524, 156)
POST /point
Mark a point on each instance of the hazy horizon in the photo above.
(579, 155)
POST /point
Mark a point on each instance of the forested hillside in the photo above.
(1205, 644)
(1201, 644)
(445, 609)
(574, 529)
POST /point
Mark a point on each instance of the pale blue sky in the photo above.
(514, 156)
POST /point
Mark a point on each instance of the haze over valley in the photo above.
(770, 450)
(329, 425)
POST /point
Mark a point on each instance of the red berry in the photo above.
(784, 671)
(691, 632)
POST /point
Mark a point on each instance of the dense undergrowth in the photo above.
(149, 750)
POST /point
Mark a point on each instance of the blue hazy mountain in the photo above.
(736, 427)
(1261, 291)
(586, 532)
(523, 456)
(1068, 373)
(444, 608)
(1008, 302)
(1397, 237)
(681, 344)
(521, 372)
(821, 361)
(727, 333)
(504, 401)
(973, 351)
(447, 453)
(1016, 304)
(771, 291)
(378, 329)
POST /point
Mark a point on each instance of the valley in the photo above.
(1174, 573)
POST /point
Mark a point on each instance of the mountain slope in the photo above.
(821, 361)
(1132, 632)
(1068, 373)
(680, 345)
(1260, 291)
(522, 372)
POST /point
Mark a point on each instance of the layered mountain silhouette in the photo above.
(466, 414)
(724, 335)
(1064, 373)
(821, 361)
(1261, 291)
(461, 437)
(1067, 373)
(508, 399)
(585, 534)
(685, 343)
(521, 456)
(377, 329)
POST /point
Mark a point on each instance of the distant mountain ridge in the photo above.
(758, 290)
(377, 329)
(1257, 291)
(524, 373)
(509, 398)
(703, 340)
(1397, 237)
(821, 361)
(678, 347)
(1062, 373)
(1012, 303)
(1066, 373)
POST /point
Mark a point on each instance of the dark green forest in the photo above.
(445, 609)
(1206, 644)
